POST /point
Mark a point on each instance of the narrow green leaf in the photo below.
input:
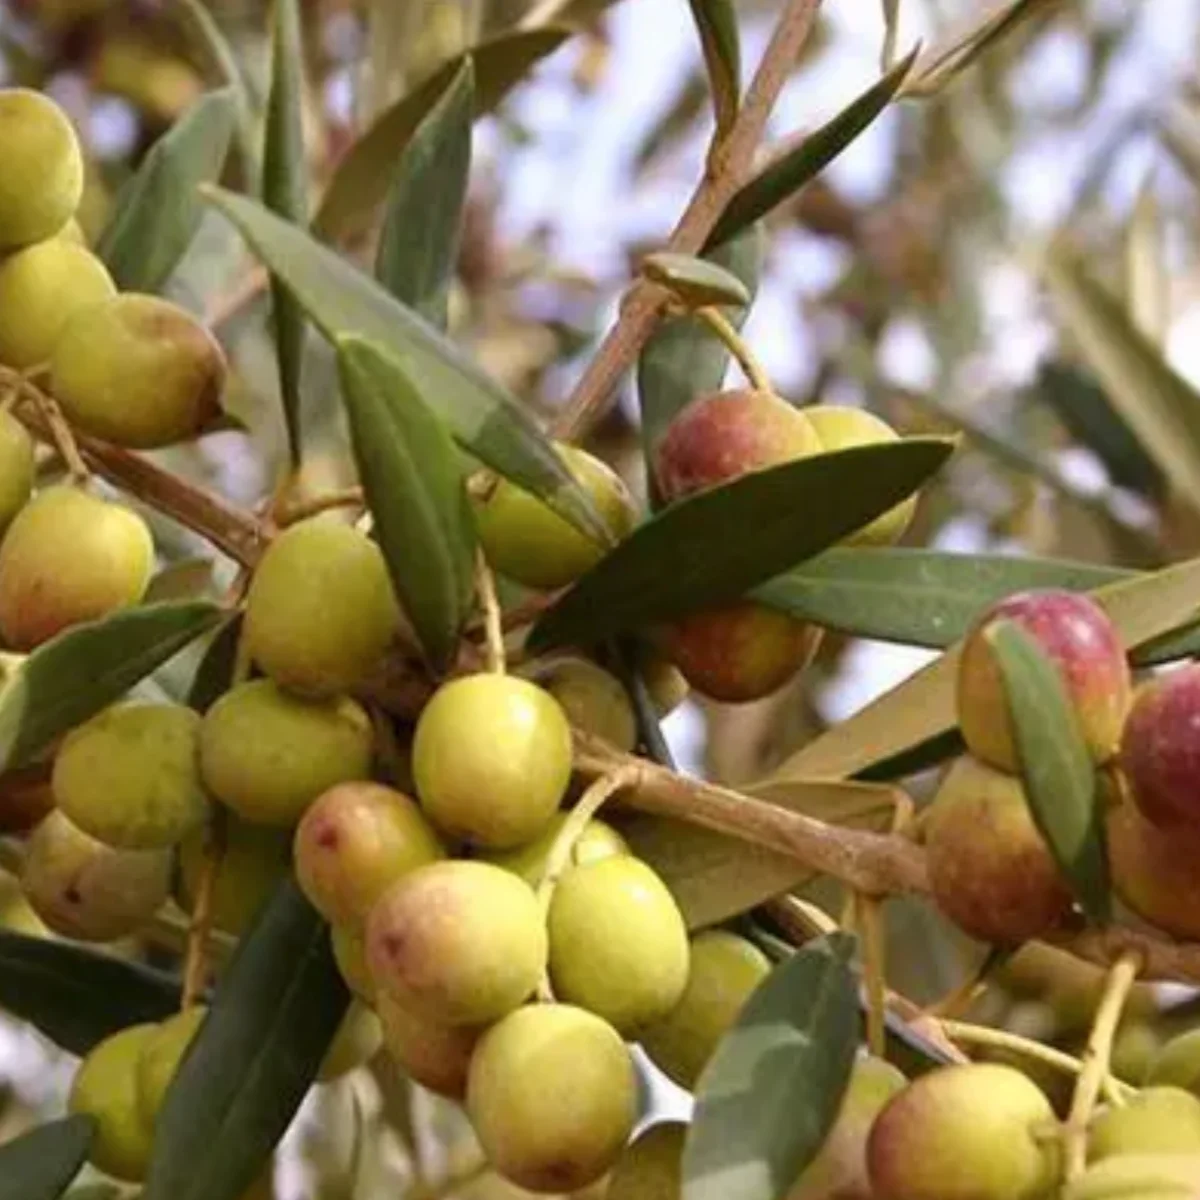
(1147, 276)
(86, 668)
(768, 1098)
(416, 490)
(1160, 407)
(272, 1019)
(684, 359)
(1060, 780)
(932, 752)
(285, 191)
(214, 674)
(711, 548)
(783, 178)
(360, 183)
(696, 282)
(916, 597)
(78, 997)
(342, 301)
(201, 24)
(418, 247)
(716, 22)
(943, 63)
(157, 213)
(41, 1164)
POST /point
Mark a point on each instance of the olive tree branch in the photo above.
(727, 168)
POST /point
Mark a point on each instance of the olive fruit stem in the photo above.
(726, 172)
(485, 583)
(195, 968)
(301, 510)
(1096, 1057)
(720, 324)
(1001, 1039)
(61, 434)
(869, 911)
(559, 857)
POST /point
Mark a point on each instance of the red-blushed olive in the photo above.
(979, 1131)
(354, 842)
(436, 1056)
(1074, 632)
(552, 1097)
(990, 870)
(1160, 750)
(459, 942)
(1154, 872)
(492, 760)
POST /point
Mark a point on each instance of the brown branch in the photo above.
(232, 530)
(728, 166)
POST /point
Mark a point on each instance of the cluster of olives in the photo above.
(135, 370)
(989, 869)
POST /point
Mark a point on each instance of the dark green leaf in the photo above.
(78, 997)
(917, 597)
(1060, 780)
(342, 301)
(696, 282)
(768, 1098)
(684, 358)
(716, 22)
(418, 247)
(86, 668)
(157, 213)
(784, 177)
(1082, 406)
(414, 484)
(214, 675)
(41, 1164)
(360, 183)
(711, 548)
(271, 1022)
(285, 191)
(932, 752)
(201, 24)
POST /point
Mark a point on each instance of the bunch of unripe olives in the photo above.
(505, 953)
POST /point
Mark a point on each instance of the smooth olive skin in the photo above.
(530, 543)
(492, 760)
(129, 776)
(651, 1166)
(106, 1089)
(268, 755)
(42, 182)
(41, 288)
(320, 611)
(69, 557)
(86, 890)
(1158, 1120)
(552, 1097)
(16, 468)
(457, 942)
(138, 371)
(618, 943)
(435, 1055)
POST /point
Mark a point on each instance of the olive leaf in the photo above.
(1057, 770)
(156, 214)
(342, 301)
(74, 675)
(423, 223)
(41, 1164)
(716, 22)
(786, 175)
(712, 547)
(415, 486)
(78, 997)
(770, 1094)
(360, 183)
(270, 1024)
(696, 282)
(285, 191)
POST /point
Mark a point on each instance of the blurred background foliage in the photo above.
(908, 278)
